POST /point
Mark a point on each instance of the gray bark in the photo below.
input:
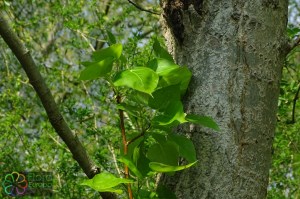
(236, 50)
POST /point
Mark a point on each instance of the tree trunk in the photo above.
(236, 50)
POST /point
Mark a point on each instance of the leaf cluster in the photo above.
(150, 95)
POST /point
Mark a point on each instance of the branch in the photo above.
(122, 127)
(142, 9)
(107, 7)
(294, 104)
(55, 117)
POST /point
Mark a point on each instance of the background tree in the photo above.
(60, 34)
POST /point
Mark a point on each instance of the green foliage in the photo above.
(105, 182)
(285, 174)
(139, 78)
(161, 52)
(202, 120)
(150, 145)
(60, 35)
(96, 69)
(160, 167)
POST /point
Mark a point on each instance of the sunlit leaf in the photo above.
(105, 182)
(140, 78)
(114, 51)
(94, 70)
(161, 52)
(163, 168)
(181, 75)
(162, 66)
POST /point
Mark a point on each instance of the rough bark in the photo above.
(55, 117)
(235, 49)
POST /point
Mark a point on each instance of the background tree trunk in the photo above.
(236, 50)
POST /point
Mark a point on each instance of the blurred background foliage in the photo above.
(62, 33)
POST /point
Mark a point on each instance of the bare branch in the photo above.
(142, 9)
(55, 117)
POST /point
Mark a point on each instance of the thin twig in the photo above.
(142, 9)
(136, 137)
(107, 7)
(294, 103)
(57, 142)
(46, 50)
(112, 150)
(86, 39)
(25, 145)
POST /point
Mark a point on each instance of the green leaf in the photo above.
(181, 75)
(132, 147)
(114, 51)
(173, 113)
(163, 168)
(159, 138)
(131, 166)
(161, 52)
(111, 37)
(104, 182)
(186, 147)
(143, 164)
(171, 73)
(166, 153)
(136, 154)
(139, 97)
(202, 120)
(140, 78)
(164, 192)
(94, 70)
(132, 110)
(164, 96)
(292, 31)
(162, 66)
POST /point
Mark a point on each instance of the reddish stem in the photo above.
(125, 145)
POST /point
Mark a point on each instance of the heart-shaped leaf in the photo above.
(140, 78)
(104, 182)
(166, 152)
